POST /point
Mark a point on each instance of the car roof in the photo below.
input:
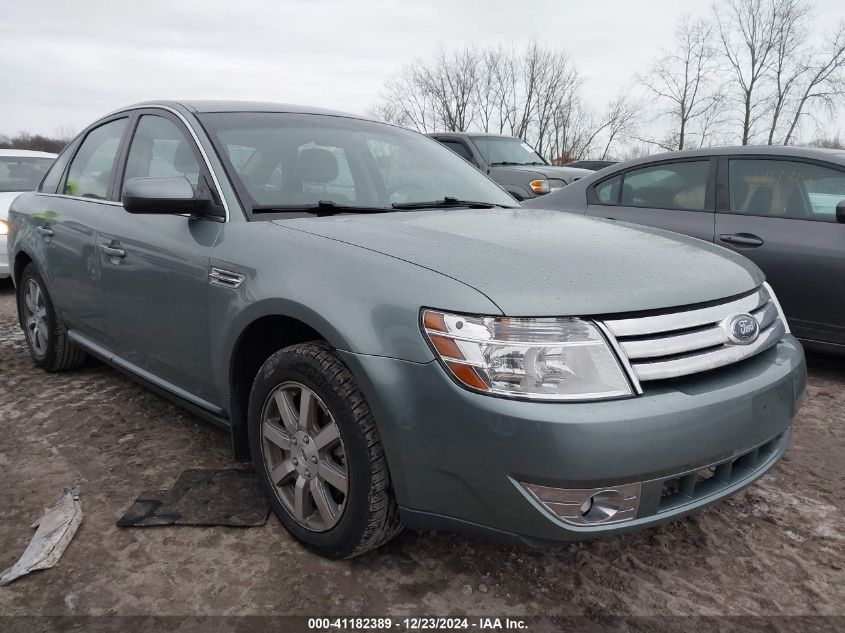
(203, 106)
(474, 135)
(837, 155)
(26, 153)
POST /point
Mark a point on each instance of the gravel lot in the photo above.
(775, 549)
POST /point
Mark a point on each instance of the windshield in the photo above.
(284, 161)
(507, 150)
(22, 173)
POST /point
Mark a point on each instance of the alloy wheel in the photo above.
(304, 456)
(35, 317)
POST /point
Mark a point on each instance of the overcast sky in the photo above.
(63, 64)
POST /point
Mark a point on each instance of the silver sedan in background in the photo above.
(20, 170)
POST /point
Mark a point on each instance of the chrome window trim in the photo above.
(82, 198)
(190, 129)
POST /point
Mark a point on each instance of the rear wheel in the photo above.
(46, 333)
(318, 453)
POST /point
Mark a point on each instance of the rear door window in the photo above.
(91, 170)
(680, 186)
(785, 189)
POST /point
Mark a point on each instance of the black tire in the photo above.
(59, 353)
(370, 516)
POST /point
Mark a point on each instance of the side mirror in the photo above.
(166, 196)
(840, 212)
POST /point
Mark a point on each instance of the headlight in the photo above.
(540, 186)
(538, 359)
(4, 227)
(556, 183)
(777, 305)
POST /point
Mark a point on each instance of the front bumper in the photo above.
(457, 458)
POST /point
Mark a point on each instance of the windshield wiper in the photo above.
(321, 207)
(445, 203)
(504, 163)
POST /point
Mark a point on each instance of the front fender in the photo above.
(360, 301)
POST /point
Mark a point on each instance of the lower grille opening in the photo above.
(677, 491)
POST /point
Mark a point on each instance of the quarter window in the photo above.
(91, 170)
(160, 150)
(607, 192)
(785, 189)
(668, 186)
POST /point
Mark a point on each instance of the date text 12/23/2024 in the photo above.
(416, 624)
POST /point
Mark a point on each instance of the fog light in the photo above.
(588, 506)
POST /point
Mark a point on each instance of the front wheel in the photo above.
(46, 333)
(318, 454)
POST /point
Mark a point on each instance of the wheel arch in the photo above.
(22, 258)
(261, 336)
(21, 261)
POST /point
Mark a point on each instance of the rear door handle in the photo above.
(113, 251)
(43, 230)
(742, 239)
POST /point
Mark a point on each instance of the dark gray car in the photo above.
(391, 339)
(782, 207)
(511, 162)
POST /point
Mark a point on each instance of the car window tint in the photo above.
(160, 150)
(607, 192)
(91, 170)
(53, 179)
(459, 148)
(785, 189)
(668, 186)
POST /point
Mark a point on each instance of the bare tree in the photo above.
(829, 143)
(619, 122)
(486, 99)
(533, 94)
(788, 65)
(748, 34)
(823, 82)
(451, 84)
(405, 102)
(682, 82)
(557, 83)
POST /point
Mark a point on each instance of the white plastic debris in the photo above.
(55, 530)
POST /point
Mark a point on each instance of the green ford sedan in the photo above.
(391, 338)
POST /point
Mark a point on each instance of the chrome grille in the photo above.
(692, 341)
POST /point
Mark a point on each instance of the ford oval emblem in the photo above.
(742, 329)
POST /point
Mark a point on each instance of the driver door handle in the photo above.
(742, 239)
(43, 230)
(113, 251)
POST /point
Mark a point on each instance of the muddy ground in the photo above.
(777, 548)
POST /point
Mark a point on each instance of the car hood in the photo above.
(552, 171)
(6, 198)
(535, 262)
